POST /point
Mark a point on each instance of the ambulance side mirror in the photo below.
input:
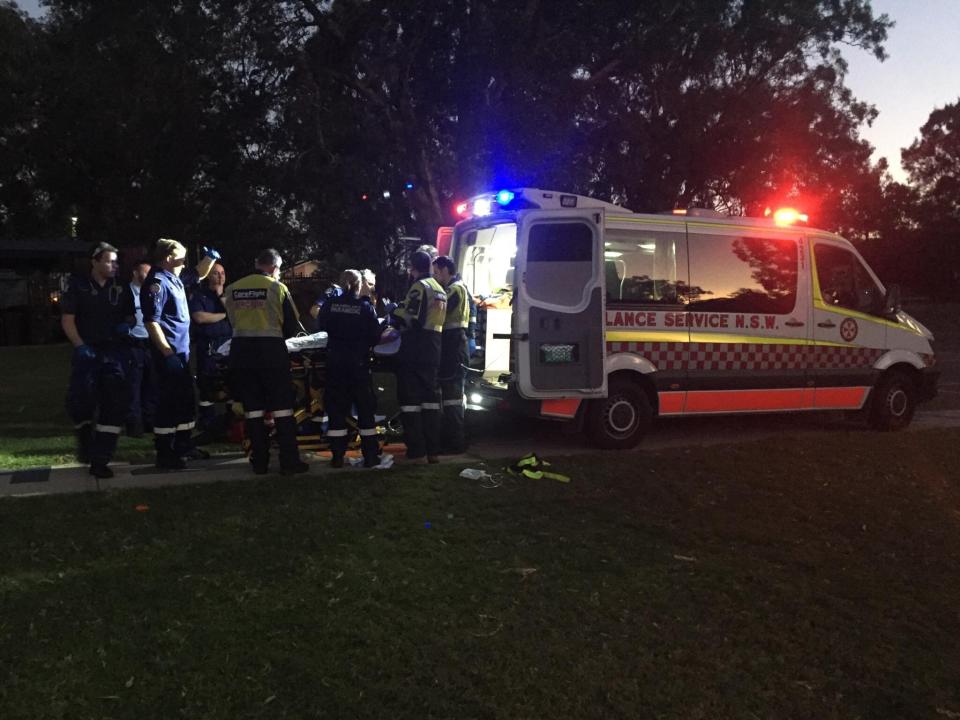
(891, 302)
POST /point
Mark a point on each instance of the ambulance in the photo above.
(607, 319)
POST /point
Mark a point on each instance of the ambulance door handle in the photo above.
(509, 336)
(793, 323)
(826, 324)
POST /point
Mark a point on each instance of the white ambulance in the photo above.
(607, 318)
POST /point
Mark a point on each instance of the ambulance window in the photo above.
(844, 281)
(559, 262)
(644, 268)
(742, 274)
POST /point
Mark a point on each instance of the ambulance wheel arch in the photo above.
(894, 399)
(621, 419)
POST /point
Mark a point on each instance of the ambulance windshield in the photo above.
(486, 259)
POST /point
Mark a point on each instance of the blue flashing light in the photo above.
(409, 186)
(505, 197)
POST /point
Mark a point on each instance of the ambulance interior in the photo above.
(486, 258)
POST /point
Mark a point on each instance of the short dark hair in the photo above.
(269, 258)
(420, 261)
(102, 248)
(445, 262)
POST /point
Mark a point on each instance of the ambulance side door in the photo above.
(849, 331)
(559, 304)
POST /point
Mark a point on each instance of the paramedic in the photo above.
(261, 312)
(141, 373)
(211, 330)
(453, 354)
(163, 299)
(420, 320)
(352, 328)
(93, 321)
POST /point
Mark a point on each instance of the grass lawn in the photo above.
(814, 577)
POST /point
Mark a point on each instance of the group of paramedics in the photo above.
(131, 364)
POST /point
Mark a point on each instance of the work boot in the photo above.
(300, 467)
(171, 463)
(336, 461)
(259, 468)
(101, 472)
(196, 454)
(371, 462)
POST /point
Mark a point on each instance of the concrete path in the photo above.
(497, 438)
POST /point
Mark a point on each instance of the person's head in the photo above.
(103, 261)
(420, 264)
(217, 277)
(169, 255)
(268, 262)
(430, 250)
(350, 281)
(368, 282)
(444, 269)
(139, 273)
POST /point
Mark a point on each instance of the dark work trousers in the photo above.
(453, 357)
(142, 383)
(208, 385)
(349, 385)
(97, 400)
(267, 390)
(419, 396)
(176, 411)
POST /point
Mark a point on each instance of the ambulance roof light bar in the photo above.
(786, 216)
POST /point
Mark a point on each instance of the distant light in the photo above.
(476, 398)
(461, 209)
(505, 197)
(364, 197)
(481, 207)
(409, 186)
(679, 211)
(386, 194)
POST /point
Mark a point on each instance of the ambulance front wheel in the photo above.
(622, 418)
(892, 402)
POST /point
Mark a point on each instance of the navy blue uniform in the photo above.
(141, 372)
(163, 299)
(352, 330)
(208, 337)
(97, 396)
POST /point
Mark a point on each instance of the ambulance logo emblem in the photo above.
(849, 329)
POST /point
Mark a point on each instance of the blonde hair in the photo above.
(350, 281)
(166, 247)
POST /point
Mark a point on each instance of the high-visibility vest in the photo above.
(255, 306)
(425, 303)
(458, 306)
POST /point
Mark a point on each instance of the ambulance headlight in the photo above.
(481, 207)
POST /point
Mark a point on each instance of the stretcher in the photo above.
(308, 370)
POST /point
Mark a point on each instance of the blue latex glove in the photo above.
(211, 253)
(174, 363)
(84, 352)
(122, 329)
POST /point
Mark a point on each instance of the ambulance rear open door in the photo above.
(558, 320)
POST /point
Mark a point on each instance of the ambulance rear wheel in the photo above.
(893, 402)
(622, 418)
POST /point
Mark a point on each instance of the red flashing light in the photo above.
(461, 209)
(786, 216)
(364, 197)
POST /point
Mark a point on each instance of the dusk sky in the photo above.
(922, 72)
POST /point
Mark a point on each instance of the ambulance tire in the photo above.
(892, 402)
(621, 419)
